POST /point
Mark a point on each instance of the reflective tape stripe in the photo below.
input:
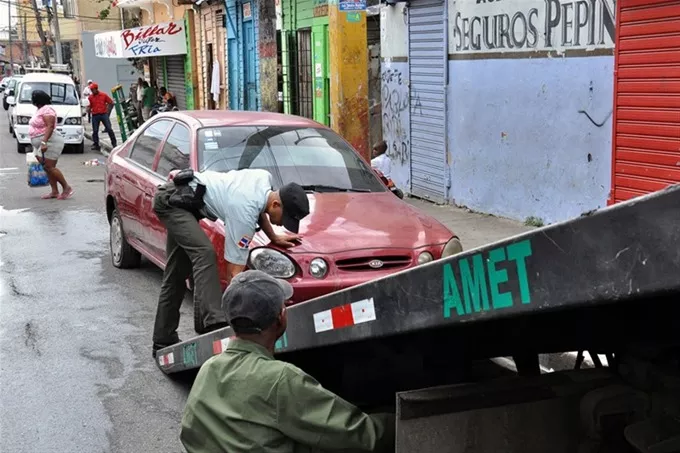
(167, 359)
(220, 345)
(345, 316)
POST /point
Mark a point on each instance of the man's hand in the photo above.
(286, 240)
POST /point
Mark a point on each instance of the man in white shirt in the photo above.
(87, 92)
(242, 199)
(381, 161)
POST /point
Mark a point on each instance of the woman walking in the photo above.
(48, 144)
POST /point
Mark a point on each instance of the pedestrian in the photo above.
(381, 161)
(166, 95)
(100, 107)
(148, 100)
(48, 144)
(87, 91)
(244, 400)
(242, 199)
(140, 101)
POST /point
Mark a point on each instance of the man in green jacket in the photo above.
(244, 400)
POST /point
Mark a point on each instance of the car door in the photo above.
(174, 155)
(139, 183)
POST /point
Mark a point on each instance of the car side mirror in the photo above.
(11, 100)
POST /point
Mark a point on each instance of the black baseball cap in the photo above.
(295, 206)
(254, 300)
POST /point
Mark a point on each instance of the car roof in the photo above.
(216, 118)
(47, 77)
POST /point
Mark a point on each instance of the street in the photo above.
(76, 372)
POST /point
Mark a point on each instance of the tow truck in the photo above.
(606, 283)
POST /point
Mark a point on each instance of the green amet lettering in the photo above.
(518, 253)
(451, 293)
(496, 277)
(474, 284)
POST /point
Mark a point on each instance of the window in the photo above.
(175, 154)
(61, 93)
(307, 156)
(144, 149)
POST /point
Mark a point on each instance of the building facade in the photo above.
(511, 113)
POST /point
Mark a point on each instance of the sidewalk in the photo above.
(104, 141)
(473, 229)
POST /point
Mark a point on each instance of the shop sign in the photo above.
(247, 12)
(512, 26)
(155, 40)
(352, 5)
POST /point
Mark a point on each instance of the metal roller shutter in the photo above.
(428, 52)
(646, 141)
(174, 64)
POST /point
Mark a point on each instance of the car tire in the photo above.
(11, 129)
(123, 256)
(21, 148)
(80, 149)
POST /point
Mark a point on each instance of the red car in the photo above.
(357, 230)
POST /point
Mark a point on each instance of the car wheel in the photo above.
(21, 148)
(11, 130)
(80, 149)
(123, 256)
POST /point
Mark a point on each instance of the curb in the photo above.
(105, 148)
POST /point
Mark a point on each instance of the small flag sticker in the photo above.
(244, 242)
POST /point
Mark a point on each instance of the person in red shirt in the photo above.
(100, 107)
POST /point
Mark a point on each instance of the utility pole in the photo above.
(25, 46)
(41, 33)
(9, 23)
(57, 34)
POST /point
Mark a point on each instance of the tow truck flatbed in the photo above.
(623, 260)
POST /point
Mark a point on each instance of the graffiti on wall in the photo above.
(395, 115)
(488, 26)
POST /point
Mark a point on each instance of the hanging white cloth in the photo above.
(215, 85)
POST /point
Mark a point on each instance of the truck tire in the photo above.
(123, 256)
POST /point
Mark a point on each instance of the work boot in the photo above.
(158, 346)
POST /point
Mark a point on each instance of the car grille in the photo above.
(362, 264)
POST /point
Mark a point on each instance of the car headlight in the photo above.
(453, 247)
(23, 119)
(318, 268)
(425, 257)
(73, 120)
(271, 262)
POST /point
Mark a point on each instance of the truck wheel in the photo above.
(123, 256)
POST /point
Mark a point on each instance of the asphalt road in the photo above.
(76, 372)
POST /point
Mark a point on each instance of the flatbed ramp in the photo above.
(617, 265)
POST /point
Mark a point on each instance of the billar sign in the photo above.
(154, 40)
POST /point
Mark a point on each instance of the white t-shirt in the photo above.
(382, 163)
(237, 197)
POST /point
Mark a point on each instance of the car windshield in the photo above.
(315, 158)
(61, 93)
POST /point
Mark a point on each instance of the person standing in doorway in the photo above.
(140, 101)
(100, 107)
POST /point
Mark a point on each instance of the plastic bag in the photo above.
(37, 176)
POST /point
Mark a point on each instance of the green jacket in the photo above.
(245, 401)
(149, 97)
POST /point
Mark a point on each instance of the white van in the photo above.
(65, 101)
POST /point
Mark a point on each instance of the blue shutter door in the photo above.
(428, 57)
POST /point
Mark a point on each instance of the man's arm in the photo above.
(237, 238)
(314, 416)
(282, 240)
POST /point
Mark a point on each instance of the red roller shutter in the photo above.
(646, 136)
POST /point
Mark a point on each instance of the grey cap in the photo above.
(254, 300)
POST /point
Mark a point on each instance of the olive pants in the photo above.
(188, 250)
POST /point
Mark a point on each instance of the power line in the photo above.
(74, 16)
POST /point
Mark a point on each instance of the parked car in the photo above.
(65, 101)
(357, 230)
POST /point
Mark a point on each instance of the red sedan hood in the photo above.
(341, 222)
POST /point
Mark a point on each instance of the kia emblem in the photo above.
(376, 264)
